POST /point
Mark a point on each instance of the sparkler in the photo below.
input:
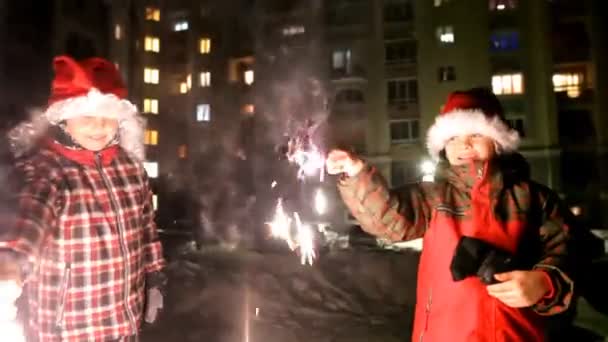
(302, 152)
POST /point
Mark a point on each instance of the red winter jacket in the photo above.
(85, 224)
(491, 202)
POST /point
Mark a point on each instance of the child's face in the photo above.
(92, 133)
(463, 149)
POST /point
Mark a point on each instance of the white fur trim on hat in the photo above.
(131, 127)
(463, 122)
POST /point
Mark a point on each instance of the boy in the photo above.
(482, 200)
(83, 238)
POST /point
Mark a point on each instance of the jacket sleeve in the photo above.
(152, 248)
(31, 218)
(402, 214)
(555, 259)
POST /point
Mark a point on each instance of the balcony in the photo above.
(355, 74)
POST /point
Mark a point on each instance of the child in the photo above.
(83, 238)
(482, 200)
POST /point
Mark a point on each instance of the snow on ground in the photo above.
(348, 295)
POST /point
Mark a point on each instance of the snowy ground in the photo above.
(356, 294)
(346, 296)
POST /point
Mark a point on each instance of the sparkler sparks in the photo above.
(305, 241)
(303, 152)
(320, 202)
(280, 226)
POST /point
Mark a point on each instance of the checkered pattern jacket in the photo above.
(84, 227)
(495, 202)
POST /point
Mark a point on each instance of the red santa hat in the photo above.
(473, 111)
(92, 87)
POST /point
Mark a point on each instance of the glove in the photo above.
(10, 288)
(155, 288)
(154, 304)
(475, 257)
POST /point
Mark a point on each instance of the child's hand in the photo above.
(339, 161)
(520, 289)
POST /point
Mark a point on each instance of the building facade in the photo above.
(373, 74)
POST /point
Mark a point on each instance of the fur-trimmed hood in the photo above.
(25, 136)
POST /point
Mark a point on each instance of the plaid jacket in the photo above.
(495, 202)
(84, 223)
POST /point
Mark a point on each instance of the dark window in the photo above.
(518, 124)
(504, 41)
(402, 91)
(447, 73)
(350, 96)
(79, 46)
(400, 51)
(404, 131)
(402, 173)
(398, 10)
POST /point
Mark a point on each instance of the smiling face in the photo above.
(92, 133)
(461, 150)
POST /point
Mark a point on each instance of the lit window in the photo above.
(501, 5)
(404, 131)
(249, 77)
(248, 109)
(403, 51)
(293, 30)
(189, 81)
(507, 84)
(518, 124)
(570, 83)
(447, 73)
(151, 137)
(182, 151)
(445, 34)
(151, 106)
(117, 32)
(180, 26)
(151, 169)
(504, 41)
(341, 60)
(183, 88)
(155, 202)
(205, 79)
(402, 91)
(203, 112)
(205, 46)
(152, 14)
(151, 75)
(152, 44)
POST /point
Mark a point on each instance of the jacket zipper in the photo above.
(65, 283)
(121, 239)
(427, 310)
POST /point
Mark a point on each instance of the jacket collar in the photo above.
(504, 169)
(83, 156)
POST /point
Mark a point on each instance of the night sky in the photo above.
(25, 55)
